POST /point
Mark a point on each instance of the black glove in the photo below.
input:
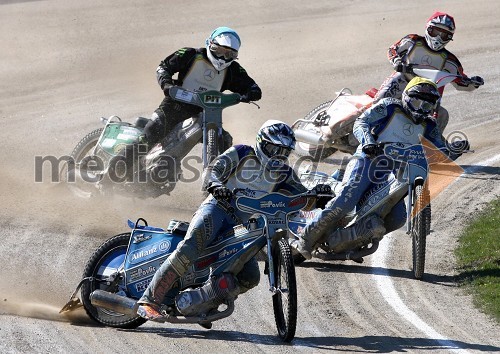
(166, 89)
(321, 201)
(222, 193)
(456, 148)
(322, 189)
(372, 150)
(252, 95)
(403, 68)
(477, 81)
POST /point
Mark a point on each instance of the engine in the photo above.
(214, 292)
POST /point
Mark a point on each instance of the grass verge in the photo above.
(478, 257)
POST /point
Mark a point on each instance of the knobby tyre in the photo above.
(285, 299)
(420, 229)
(110, 256)
(212, 152)
(212, 145)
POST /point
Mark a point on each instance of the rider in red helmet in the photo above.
(427, 51)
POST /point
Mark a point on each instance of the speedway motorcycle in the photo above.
(328, 127)
(119, 271)
(89, 160)
(410, 181)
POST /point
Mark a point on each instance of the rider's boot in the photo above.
(314, 230)
(163, 280)
(371, 228)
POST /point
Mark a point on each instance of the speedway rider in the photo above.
(383, 122)
(261, 168)
(198, 69)
(427, 52)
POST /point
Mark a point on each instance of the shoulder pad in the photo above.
(244, 150)
(186, 50)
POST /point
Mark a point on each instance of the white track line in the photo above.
(387, 290)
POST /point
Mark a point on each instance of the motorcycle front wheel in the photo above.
(420, 229)
(213, 150)
(285, 299)
(105, 264)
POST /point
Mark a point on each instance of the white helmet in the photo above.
(222, 47)
(439, 30)
(275, 141)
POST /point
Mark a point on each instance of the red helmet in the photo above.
(439, 30)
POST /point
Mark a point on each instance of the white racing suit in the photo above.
(413, 49)
(386, 121)
(237, 167)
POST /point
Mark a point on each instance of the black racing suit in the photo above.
(184, 63)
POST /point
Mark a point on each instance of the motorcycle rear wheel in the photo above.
(285, 300)
(69, 172)
(420, 229)
(108, 257)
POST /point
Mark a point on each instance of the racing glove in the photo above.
(166, 89)
(477, 81)
(222, 193)
(372, 150)
(254, 94)
(457, 148)
(322, 189)
(403, 68)
(321, 201)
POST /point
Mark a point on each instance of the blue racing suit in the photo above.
(237, 167)
(386, 121)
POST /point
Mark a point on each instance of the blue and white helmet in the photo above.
(275, 142)
(222, 47)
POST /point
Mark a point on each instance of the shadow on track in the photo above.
(444, 280)
(369, 344)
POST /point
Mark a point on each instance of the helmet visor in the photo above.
(223, 52)
(445, 35)
(272, 150)
(421, 106)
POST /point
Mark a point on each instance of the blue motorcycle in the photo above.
(121, 268)
(410, 182)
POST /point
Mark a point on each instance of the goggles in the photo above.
(421, 106)
(223, 52)
(272, 150)
(434, 31)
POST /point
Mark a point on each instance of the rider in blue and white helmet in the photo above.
(240, 167)
(222, 47)
(275, 142)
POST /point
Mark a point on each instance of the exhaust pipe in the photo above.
(308, 137)
(114, 302)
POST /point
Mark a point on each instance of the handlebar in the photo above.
(207, 99)
(308, 194)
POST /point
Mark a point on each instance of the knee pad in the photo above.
(182, 258)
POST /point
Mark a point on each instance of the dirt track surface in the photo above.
(66, 63)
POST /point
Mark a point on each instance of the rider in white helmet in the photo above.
(213, 67)
(262, 170)
(426, 52)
